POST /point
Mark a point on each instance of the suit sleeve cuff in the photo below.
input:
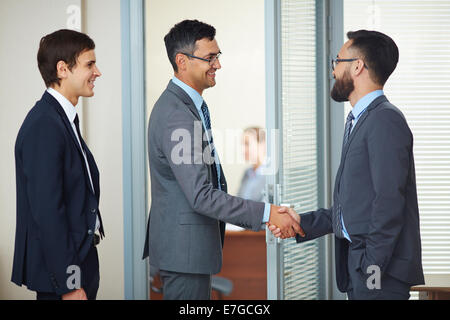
(266, 216)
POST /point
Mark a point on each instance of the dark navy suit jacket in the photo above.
(56, 208)
(376, 188)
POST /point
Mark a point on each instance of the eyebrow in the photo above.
(213, 53)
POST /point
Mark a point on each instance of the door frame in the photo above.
(135, 206)
(273, 126)
(330, 26)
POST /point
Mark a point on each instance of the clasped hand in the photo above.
(284, 222)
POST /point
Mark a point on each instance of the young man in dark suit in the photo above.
(375, 215)
(57, 178)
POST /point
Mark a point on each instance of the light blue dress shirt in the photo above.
(357, 111)
(198, 101)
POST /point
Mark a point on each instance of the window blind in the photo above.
(299, 178)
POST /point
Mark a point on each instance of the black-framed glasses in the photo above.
(334, 62)
(211, 60)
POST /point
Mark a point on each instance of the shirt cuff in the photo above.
(266, 216)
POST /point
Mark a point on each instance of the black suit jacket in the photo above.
(56, 207)
(376, 188)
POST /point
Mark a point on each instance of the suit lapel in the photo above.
(353, 133)
(64, 119)
(69, 129)
(360, 122)
(93, 169)
(183, 96)
(180, 93)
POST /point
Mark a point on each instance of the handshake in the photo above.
(284, 222)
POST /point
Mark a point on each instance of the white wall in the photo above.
(238, 99)
(103, 125)
(22, 24)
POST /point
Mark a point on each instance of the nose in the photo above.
(216, 64)
(97, 72)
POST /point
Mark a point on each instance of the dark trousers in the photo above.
(185, 286)
(390, 288)
(90, 274)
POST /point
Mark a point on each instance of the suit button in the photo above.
(90, 232)
(93, 210)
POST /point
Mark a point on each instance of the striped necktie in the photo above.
(337, 210)
(348, 128)
(207, 118)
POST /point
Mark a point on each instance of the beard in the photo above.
(342, 88)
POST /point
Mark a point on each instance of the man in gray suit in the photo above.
(375, 216)
(190, 203)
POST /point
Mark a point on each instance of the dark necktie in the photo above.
(77, 126)
(348, 128)
(205, 112)
(337, 210)
(207, 118)
(83, 148)
(98, 224)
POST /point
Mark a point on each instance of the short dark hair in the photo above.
(62, 45)
(182, 38)
(379, 52)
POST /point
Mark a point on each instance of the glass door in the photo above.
(295, 117)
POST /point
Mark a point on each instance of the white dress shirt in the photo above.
(71, 113)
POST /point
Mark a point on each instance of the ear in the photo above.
(180, 60)
(62, 69)
(358, 67)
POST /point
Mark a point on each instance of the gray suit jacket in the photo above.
(185, 230)
(376, 188)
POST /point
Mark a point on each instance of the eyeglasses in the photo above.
(211, 60)
(334, 62)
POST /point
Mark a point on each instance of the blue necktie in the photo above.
(205, 112)
(207, 119)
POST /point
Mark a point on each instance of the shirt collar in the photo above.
(67, 106)
(192, 93)
(364, 102)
